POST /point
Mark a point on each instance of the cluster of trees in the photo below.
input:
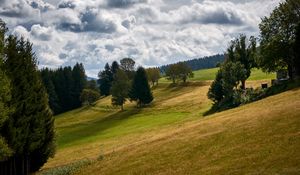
(64, 87)
(279, 49)
(179, 71)
(200, 63)
(123, 82)
(26, 121)
(279, 39)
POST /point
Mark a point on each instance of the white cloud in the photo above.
(153, 32)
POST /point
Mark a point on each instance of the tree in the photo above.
(277, 38)
(153, 75)
(184, 71)
(120, 88)
(5, 98)
(140, 89)
(179, 71)
(114, 67)
(227, 80)
(89, 96)
(105, 80)
(128, 65)
(171, 73)
(79, 80)
(54, 103)
(92, 84)
(297, 50)
(29, 130)
(243, 51)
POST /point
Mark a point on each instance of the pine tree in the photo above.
(5, 98)
(30, 128)
(120, 88)
(114, 67)
(105, 80)
(46, 75)
(79, 80)
(140, 90)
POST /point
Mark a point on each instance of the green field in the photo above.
(172, 137)
(209, 74)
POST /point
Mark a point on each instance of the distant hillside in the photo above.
(201, 63)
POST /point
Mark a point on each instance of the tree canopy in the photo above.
(278, 38)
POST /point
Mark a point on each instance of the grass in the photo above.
(171, 136)
(209, 74)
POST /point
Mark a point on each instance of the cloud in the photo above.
(153, 32)
(123, 3)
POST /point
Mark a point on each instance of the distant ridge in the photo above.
(200, 63)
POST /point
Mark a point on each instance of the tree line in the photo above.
(279, 49)
(64, 87)
(26, 121)
(200, 63)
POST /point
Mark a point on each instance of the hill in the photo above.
(201, 63)
(172, 137)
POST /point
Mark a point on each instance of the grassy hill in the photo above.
(172, 137)
(209, 74)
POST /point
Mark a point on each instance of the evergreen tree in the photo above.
(5, 98)
(120, 88)
(114, 67)
(79, 80)
(46, 75)
(140, 89)
(105, 80)
(30, 128)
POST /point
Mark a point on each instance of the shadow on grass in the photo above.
(83, 131)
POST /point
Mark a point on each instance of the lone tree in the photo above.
(153, 75)
(140, 89)
(29, 130)
(105, 80)
(120, 88)
(243, 50)
(278, 39)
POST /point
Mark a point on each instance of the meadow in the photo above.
(171, 136)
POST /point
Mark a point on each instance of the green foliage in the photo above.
(105, 80)
(92, 84)
(120, 88)
(243, 51)
(128, 65)
(140, 90)
(153, 75)
(29, 130)
(278, 35)
(179, 71)
(79, 80)
(89, 96)
(223, 90)
(5, 97)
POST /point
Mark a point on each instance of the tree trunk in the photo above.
(243, 86)
(290, 72)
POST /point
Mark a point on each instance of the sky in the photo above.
(152, 32)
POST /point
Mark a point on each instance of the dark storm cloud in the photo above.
(66, 4)
(222, 17)
(90, 21)
(124, 3)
